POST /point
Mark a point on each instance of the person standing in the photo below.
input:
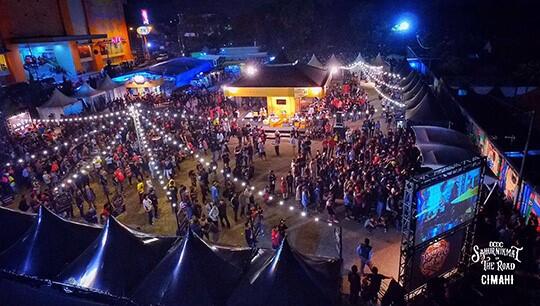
(235, 203)
(365, 252)
(375, 280)
(148, 208)
(154, 199)
(214, 193)
(290, 183)
(283, 188)
(277, 141)
(222, 208)
(272, 181)
(140, 190)
(354, 285)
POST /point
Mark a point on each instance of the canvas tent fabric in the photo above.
(48, 246)
(407, 95)
(416, 99)
(59, 104)
(86, 91)
(314, 62)
(440, 147)
(107, 84)
(436, 156)
(192, 273)
(13, 225)
(333, 62)
(380, 62)
(289, 278)
(427, 111)
(430, 135)
(116, 261)
(408, 86)
(111, 88)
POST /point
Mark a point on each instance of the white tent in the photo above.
(359, 59)
(334, 66)
(89, 94)
(333, 62)
(379, 61)
(314, 62)
(59, 104)
(112, 89)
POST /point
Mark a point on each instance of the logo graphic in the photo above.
(499, 261)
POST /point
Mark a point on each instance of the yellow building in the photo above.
(287, 88)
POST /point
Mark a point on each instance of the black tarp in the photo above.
(13, 225)
(48, 246)
(116, 261)
(290, 278)
(193, 273)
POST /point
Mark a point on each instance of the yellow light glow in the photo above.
(231, 90)
(315, 90)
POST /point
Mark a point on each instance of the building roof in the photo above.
(287, 75)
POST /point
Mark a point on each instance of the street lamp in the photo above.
(402, 26)
(251, 70)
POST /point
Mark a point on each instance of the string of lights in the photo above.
(243, 183)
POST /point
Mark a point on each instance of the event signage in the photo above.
(144, 30)
(498, 262)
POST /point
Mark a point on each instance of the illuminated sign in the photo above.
(144, 14)
(144, 30)
(139, 79)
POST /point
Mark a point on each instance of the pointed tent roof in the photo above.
(116, 261)
(427, 111)
(48, 246)
(58, 99)
(289, 278)
(13, 225)
(193, 273)
(314, 61)
(86, 91)
(359, 58)
(333, 62)
(378, 60)
(107, 84)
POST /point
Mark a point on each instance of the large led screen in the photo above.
(436, 258)
(445, 205)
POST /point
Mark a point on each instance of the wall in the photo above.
(27, 18)
(107, 16)
(289, 108)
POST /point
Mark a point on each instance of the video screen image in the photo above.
(446, 205)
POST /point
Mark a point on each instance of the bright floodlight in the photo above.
(334, 69)
(251, 70)
(403, 26)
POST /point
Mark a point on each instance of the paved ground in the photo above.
(305, 234)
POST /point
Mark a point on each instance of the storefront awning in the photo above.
(45, 39)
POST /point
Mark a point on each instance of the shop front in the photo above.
(48, 60)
